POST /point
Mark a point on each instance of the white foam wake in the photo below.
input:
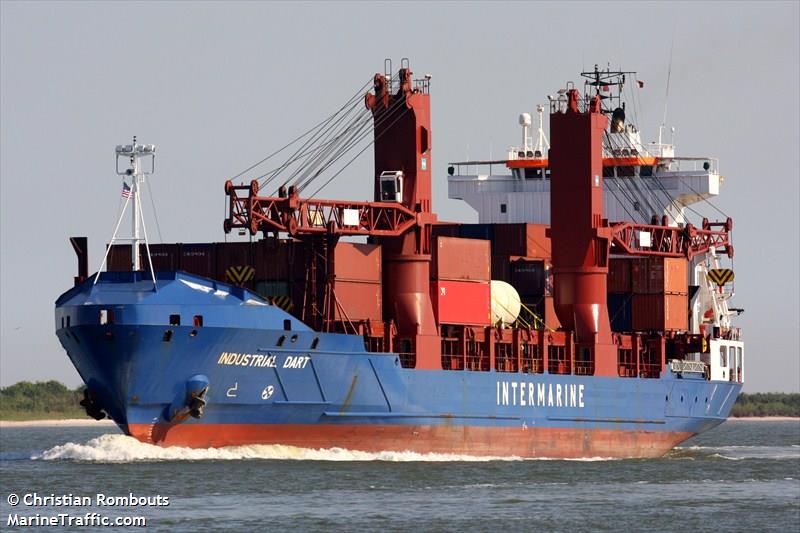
(737, 453)
(122, 449)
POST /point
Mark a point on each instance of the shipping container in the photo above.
(526, 240)
(528, 276)
(619, 275)
(660, 275)
(477, 231)
(119, 258)
(358, 301)
(461, 259)
(273, 288)
(357, 261)
(277, 292)
(672, 277)
(231, 259)
(501, 268)
(198, 259)
(620, 311)
(462, 302)
(280, 259)
(660, 312)
(166, 257)
(446, 229)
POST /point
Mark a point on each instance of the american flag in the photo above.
(126, 190)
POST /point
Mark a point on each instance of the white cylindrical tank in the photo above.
(505, 302)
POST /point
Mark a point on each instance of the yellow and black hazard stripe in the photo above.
(284, 302)
(240, 274)
(720, 276)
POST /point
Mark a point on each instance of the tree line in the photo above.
(43, 399)
(52, 399)
(767, 404)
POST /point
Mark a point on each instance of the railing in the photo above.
(407, 360)
(558, 361)
(680, 366)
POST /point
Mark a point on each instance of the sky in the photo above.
(216, 86)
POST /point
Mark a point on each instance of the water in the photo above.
(741, 476)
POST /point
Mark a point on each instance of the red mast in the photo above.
(580, 239)
(402, 174)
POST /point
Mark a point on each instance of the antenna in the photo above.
(666, 95)
(134, 154)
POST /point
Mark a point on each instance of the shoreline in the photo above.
(765, 418)
(66, 422)
(81, 422)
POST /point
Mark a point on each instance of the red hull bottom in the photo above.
(459, 440)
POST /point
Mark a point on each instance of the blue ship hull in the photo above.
(264, 377)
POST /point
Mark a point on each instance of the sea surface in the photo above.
(741, 476)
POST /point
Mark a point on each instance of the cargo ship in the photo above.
(582, 316)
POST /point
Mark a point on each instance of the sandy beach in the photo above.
(763, 418)
(73, 422)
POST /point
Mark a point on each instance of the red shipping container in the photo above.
(165, 257)
(358, 301)
(672, 277)
(357, 261)
(461, 259)
(462, 302)
(619, 275)
(659, 275)
(528, 276)
(198, 259)
(538, 244)
(660, 312)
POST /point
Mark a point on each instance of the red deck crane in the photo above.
(399, 218)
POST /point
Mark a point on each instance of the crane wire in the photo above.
(313, 143)
(358, 136)
(358, 154)
(328, 138)
(296, 139)
(397, 105)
